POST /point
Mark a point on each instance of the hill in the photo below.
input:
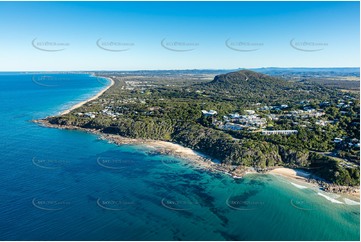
(245, 79)
(144, 109)
(254, 87)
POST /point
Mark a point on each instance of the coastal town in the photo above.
(261, 119)
(180, 120)
(297, 132)
(256, 122)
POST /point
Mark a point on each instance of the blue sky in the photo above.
(177, 35)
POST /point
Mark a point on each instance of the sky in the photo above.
(79, 36)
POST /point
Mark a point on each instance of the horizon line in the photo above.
(193, 69)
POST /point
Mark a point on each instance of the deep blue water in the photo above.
(70, 185)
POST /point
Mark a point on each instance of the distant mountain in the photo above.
(254, 87)
(248, 81)
(247, 78)
(310, 72)
(305, 69)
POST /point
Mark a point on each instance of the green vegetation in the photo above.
(164, 109)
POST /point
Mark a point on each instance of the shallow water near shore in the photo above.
(70, 185)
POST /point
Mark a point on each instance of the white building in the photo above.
(231, 126)
(337, 140)
(322, 122)
(90, 115)
(250, 112)
(209, 113)
(234, 115)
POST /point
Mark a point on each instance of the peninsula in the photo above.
(244, 120)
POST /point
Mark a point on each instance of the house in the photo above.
(337, 140)
(323, 122)
(209, 113)
(234, 115)
(90, 115)
(296, 112)
(340, 105)
(309, 109)
(231, 126)
(273, 117)
(265, 108)
(250, 112)
(324, 104)
(225, 118)
(316, 114)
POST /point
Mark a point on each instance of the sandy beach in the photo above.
(78, 105)
(291, 173)
(204, 162)
(197, 159)
(301, 177)
(309, 180)
(194, 158)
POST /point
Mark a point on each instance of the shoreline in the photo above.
(308, 180)
(291, 173)
(78, 105)
(194, 158)
(202, 161)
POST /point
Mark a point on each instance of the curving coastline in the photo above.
(197, 159)
(309, 180)
(200, 161)
(78, 105)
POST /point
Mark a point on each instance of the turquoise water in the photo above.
(69, 185)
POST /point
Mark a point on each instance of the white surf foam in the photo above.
(351, 202)
(329, 198)
(298, 186)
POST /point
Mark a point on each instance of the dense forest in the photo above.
(172, 112)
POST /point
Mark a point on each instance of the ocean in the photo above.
(71, 185)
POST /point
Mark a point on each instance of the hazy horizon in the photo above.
(194, 69)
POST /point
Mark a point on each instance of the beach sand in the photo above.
(303, 178)
(78, 105)
(291, 173)
(164, 147)
(196, 159)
